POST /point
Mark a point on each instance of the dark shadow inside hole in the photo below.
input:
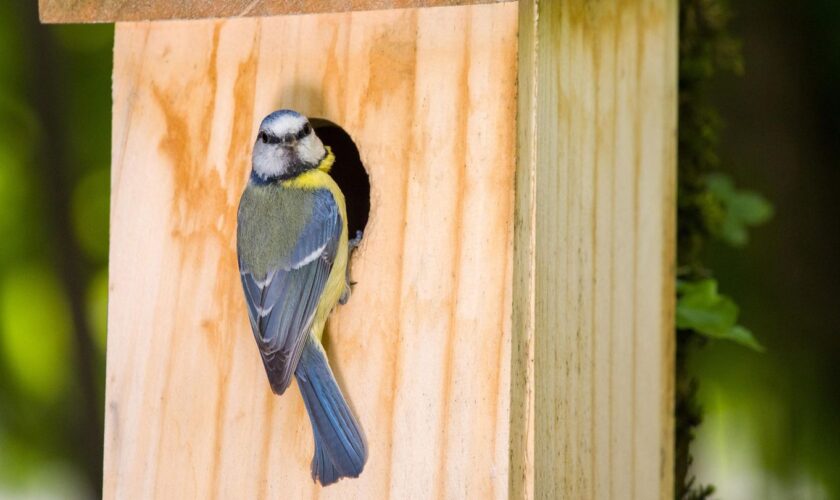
(348, 171)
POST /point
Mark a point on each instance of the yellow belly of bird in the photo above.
(333, 289)
(337, 280)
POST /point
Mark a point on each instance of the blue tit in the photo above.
(293, 249)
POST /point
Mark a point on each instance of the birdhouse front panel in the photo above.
(422, 348)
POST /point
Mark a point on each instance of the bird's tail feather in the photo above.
(340, 448)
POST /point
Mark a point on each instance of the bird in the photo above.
(293, 247)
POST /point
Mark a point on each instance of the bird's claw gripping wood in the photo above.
(351, 245)
(345, 295)
(356, 241)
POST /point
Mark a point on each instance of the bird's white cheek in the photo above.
(311, 150)
(268, 162)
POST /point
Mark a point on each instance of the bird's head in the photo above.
(286, 146)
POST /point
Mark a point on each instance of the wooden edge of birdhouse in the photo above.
(592, 354)
(107, 11)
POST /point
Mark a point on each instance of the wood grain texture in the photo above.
(422, 350)
(593, 350)
(101, 11)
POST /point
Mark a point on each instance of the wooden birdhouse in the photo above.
(511, 330)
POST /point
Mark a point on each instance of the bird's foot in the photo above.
(348, 287)
(355, 241)
(345, 295)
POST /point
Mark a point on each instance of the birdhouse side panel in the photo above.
(593, 360)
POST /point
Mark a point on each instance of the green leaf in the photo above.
(751, 208)
(701, 308)
(741, 209)
(744, 337)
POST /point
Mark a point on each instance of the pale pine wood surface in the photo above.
(593, 349)
(423, 348)
(98, 11)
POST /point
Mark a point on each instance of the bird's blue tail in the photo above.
(340, 448)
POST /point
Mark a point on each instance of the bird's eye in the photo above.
(263, 137)
(303, 132)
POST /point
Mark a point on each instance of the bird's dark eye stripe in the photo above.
(268, 138)
(303, 132)
(287, 138)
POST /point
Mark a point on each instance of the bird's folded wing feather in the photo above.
(282, 304)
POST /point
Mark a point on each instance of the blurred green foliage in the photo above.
(739, 210)
(705, 49)
(42, 368)
(726, 214)
(52, 135)
(769, 421)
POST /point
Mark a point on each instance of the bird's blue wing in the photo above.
(282, 304)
